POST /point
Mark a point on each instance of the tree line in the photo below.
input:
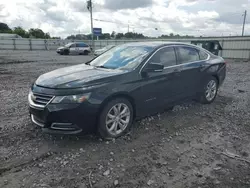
(128, 35)
(113, 35)
(38, 33)
(31, 33)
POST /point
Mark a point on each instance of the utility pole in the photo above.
(244, 22)
(89, 6)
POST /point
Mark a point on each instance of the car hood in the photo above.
(77, 76)
(99, 51)
(61, 47)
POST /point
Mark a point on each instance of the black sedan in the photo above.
(130, 81)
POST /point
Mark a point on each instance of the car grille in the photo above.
(41, 99)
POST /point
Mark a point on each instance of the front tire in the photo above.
(210, 90)
(66, 52)
(115, 119)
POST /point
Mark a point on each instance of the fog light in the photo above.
(64, 126)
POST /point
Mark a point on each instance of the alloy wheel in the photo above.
(211, 90)
(118, 118)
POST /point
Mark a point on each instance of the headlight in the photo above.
(71, 99)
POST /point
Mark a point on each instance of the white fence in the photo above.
(233, 47)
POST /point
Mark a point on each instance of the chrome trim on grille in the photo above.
(41, 96)
(36, 122)
(32, 104)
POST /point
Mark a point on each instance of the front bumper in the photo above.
(65, 118)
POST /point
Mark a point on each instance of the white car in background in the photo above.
(79, 48)
(102, 50)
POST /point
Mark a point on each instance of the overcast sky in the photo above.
(193, 17)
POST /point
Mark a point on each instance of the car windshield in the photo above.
(122, 57)
(68, 45)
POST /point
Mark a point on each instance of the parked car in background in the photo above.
(79, 48)
(129, 81)
(102, 50)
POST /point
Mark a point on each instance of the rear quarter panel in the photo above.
(216, 67)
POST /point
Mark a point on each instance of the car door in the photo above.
(85, 47)
(191, 63)
(81, 48)
(72, 49)
(78, 48)
(161, 88)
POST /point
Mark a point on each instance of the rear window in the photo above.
(81, 45)
(203, 55)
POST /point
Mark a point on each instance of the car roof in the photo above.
(158, 43)
(80, 42)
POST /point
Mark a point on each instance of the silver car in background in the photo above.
(79, 48)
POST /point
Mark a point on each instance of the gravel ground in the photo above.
(196, 146)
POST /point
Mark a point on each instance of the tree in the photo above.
(105, 36)
(119, 35)
(128, 35)
(36, 33)
(4, 28)
(79, 37)
(131, 35)
(71, 37)
(21, 32)
(112, 34)
(47, 36)
(164, 36)
(171, 35)
(55, 37)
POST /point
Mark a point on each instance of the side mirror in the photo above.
(154, 67)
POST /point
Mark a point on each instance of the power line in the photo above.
(120, 23)
(106, 21)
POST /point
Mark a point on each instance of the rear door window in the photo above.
(83, 45)
(187, 54)
(166, 56)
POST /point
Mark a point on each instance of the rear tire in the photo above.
(115, 119)
(85, 52)
(209, 91)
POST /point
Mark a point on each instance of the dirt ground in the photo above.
(193, 146)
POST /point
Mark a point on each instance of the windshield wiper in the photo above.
(101, 66)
